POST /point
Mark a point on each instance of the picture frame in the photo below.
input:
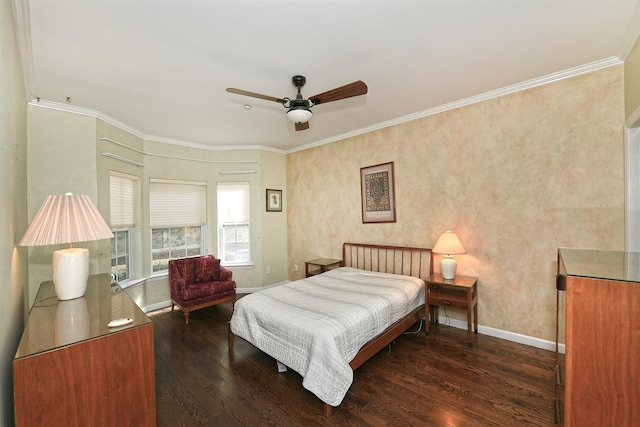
(378, 193)
(274, 200)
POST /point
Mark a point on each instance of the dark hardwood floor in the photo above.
(420, 380)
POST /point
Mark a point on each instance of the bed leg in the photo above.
(230, 336)
(327, 410)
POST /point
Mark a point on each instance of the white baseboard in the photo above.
(505, 335)
(156, 306)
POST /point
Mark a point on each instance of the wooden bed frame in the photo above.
(410, 261)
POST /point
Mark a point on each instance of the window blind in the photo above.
(121, 203)
(177, 203)
(233, 202)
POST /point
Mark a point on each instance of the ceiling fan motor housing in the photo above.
(298, 81)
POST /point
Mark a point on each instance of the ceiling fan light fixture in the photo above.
(299, 114)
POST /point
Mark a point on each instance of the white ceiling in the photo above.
(160, 67)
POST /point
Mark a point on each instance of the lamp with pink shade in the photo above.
(69, 219)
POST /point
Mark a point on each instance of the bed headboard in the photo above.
(417, 262)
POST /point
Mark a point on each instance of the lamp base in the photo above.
(448, 267)
(70, 272)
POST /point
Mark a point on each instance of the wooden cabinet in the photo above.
(71, 369)
(600, 385)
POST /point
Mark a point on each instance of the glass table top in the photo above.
(599, 264)
(53, 323)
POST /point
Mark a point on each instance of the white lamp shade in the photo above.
(448, 244)
(299, 115)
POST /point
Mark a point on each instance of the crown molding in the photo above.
(162, 140)
(42, 103)
(37, 102)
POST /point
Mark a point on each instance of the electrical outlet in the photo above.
(295, 267)
(268, 270)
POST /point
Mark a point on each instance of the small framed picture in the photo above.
(378, 196)
(274, 200)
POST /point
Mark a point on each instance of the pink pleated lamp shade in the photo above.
(67, 218)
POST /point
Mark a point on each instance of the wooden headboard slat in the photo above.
(407, 260)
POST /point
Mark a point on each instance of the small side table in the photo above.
(324, 264)
(459, 293)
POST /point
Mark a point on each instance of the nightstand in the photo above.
(324, 264)
(460, 293)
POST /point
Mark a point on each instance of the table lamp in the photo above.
(69, 219)
(448, 244)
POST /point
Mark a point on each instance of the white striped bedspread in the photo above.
(316, 326)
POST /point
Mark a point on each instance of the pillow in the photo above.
(207, 269)
(185, 269)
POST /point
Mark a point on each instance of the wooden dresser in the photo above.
(600, 373)
(72, 369)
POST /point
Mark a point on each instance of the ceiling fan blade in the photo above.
(302, 126)
(256, 95)
(342, 92)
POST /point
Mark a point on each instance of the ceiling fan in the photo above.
(299, 109)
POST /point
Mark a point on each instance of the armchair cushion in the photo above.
(184, 270)
(198, 290)
(207, 269)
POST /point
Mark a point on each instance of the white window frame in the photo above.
(236, 217)
(117, 255)
(122, 219)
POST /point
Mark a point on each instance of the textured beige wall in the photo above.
(516, 177)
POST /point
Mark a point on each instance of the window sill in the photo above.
(242, 265)
(130, 282)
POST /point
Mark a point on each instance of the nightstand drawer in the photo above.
(458, 305)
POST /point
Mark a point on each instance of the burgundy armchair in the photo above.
(199, 282)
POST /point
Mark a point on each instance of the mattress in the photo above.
(317, 325)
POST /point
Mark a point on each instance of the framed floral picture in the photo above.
(274, 200)
(378, 196)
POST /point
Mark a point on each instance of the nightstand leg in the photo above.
(427, 319)
(475, 317)
(469, 324)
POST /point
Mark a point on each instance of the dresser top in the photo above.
(53, 323)
(599, 264)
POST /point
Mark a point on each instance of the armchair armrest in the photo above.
(176, 281)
